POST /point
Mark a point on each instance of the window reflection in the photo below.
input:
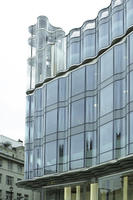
(50, 153)
(106, 141)
(106, 100)
(129, 13)
(52, 93)
(131, 48)
(62, 89)
(107, 65)
(75, 53)
(62, 119)
(88, 45)
(103, 35)
(91, 106)
(39, 99)
(51, 121)
(110, 188)
(117, 24)
(120, 94)
(62, 154)
(77, 117)
(77, 146)
(90, 148)
(38, 127)
(119, 137)
(78, 81)
(119, 58)
(131, 86)
(91, 77)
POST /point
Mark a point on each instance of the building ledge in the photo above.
(85, 174)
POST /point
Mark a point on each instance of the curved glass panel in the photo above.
(38, 127)
(91, 106)
(51, 122)
(117, 24)
(78, 81)
(119, 137)
(106, 142)
(52, 89)
(119, 58)
(62, 119)
(90, 148)
(63, 89)
(131, 48)
(77, 115)
(50, 154)
(129, 13)
(103, 35)
(106, 100)
(107, 65)
(131, 86)
(38, 99)
(77, 146)
(91, 77)
(120, 94)
(62, 155)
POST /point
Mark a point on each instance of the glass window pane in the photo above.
(89, 45)
(52, 92)
(62, 89)
(75, 53)
(50, 153)
(120, 58)
(77, 146)
(31, 131)
(107, 65)
(62, 119)
(110, 188)
(131, 127)
(90, 148)
(120, 93)
(38, 158)
(129, 13)
(78, 81)
(131, 48)
(27, 106)
(38, 127)
(119, 137)
(91, 109)
(131, 86)
(38, 99)
(91, 77)
(103, 35)
(62, 151)
(51, 122)
(106, 137)
(27, 132)
(117, 24)
(32, 105)
(77, 117)
(106, 100)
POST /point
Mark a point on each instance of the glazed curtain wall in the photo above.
(83, 118)
(52, 52)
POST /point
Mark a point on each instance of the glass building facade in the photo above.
(79, 108)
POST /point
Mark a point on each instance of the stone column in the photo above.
(94, 191)
(77, 192)
(67, 193)
(125, 188)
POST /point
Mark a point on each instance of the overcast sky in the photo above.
(15, 17)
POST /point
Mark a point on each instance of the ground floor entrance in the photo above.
(112, 187)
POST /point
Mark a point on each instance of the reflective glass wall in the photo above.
(53, 52)
(84, 117)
